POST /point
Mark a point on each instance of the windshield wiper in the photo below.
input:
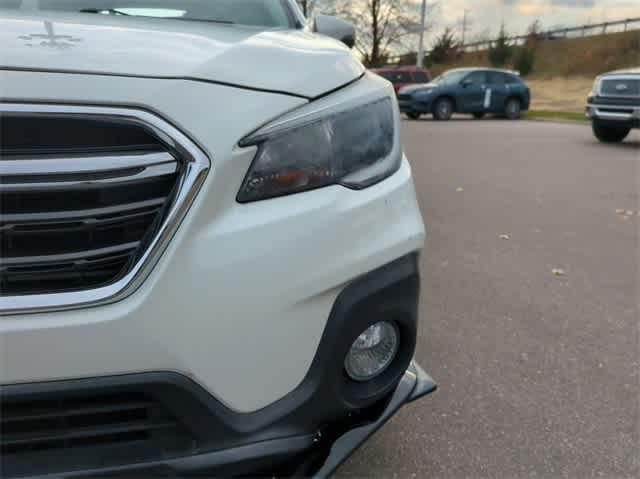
(205, 20)
(110, 11)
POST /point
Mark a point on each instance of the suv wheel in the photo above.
(443, 109)
(513, 109)
(413, 115)
(610, 134)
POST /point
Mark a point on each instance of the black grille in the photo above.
(81, 197)
(620, 87)
(63, 432)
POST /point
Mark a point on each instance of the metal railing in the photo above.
(604, 28)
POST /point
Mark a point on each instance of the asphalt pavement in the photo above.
(529, 310)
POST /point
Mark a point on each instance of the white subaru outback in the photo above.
(208, 241)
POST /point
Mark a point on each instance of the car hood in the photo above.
(628, 71)
(287, 61)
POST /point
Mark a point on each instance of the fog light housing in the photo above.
(372, 352)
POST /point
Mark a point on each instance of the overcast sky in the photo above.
(518, 14)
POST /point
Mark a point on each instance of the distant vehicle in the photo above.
(477, 91)
(402, 76)
(614, 105)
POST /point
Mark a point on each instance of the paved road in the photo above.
(539, 374)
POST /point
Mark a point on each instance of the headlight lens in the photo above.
(425, 93)
(353, 148)
(596, 86)
(372, 352)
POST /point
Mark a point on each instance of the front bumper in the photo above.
(615, 114)
(410, 105)
(318, 454)
(166, 423)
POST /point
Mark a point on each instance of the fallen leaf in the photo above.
(558, 271)
(620, 211)
(504, 237)
(460, 189)
(628, 213)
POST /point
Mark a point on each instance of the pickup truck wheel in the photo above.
(513, 109)
(413, 115)
(443, 109)
(478, 115)
(610, 134)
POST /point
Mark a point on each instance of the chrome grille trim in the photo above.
(56, 258)
(196, 165)
(36, 174)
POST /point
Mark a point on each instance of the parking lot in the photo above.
(529, 312)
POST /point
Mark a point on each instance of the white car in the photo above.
(208, 241)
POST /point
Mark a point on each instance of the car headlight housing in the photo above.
(425, 93)
(355, 146)
(595, 89)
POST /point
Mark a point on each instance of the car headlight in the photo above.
(595, 89)
(354, 146)
(425, 93)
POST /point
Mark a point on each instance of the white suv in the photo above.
(208, 241)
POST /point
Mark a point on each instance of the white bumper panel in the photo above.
(240, 297)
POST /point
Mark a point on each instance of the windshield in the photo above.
(265, 13)
(451, 77)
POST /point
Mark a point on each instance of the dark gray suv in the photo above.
(614, 105)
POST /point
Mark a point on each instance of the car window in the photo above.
(265, 13)
(420, 77)
(496, 78)
(401, 77)
(450, 77)
(512, 80)
(477, 78)
(386, 75)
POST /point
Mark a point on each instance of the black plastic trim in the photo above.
(414, 384)
(300, 456)
(326, 400)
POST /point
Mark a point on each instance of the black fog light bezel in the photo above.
(388, 293)
(359, 393)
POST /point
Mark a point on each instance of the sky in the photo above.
(488, 15)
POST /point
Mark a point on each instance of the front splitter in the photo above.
(415, 383)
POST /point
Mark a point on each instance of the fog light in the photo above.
(372, 352)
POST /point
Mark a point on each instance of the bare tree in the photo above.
(482, 35)
(307, 7)
(534, 27)
(445, 47)
(381, 25)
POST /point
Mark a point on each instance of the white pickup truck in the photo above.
(209, 241)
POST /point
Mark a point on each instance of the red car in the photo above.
(403, 75)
